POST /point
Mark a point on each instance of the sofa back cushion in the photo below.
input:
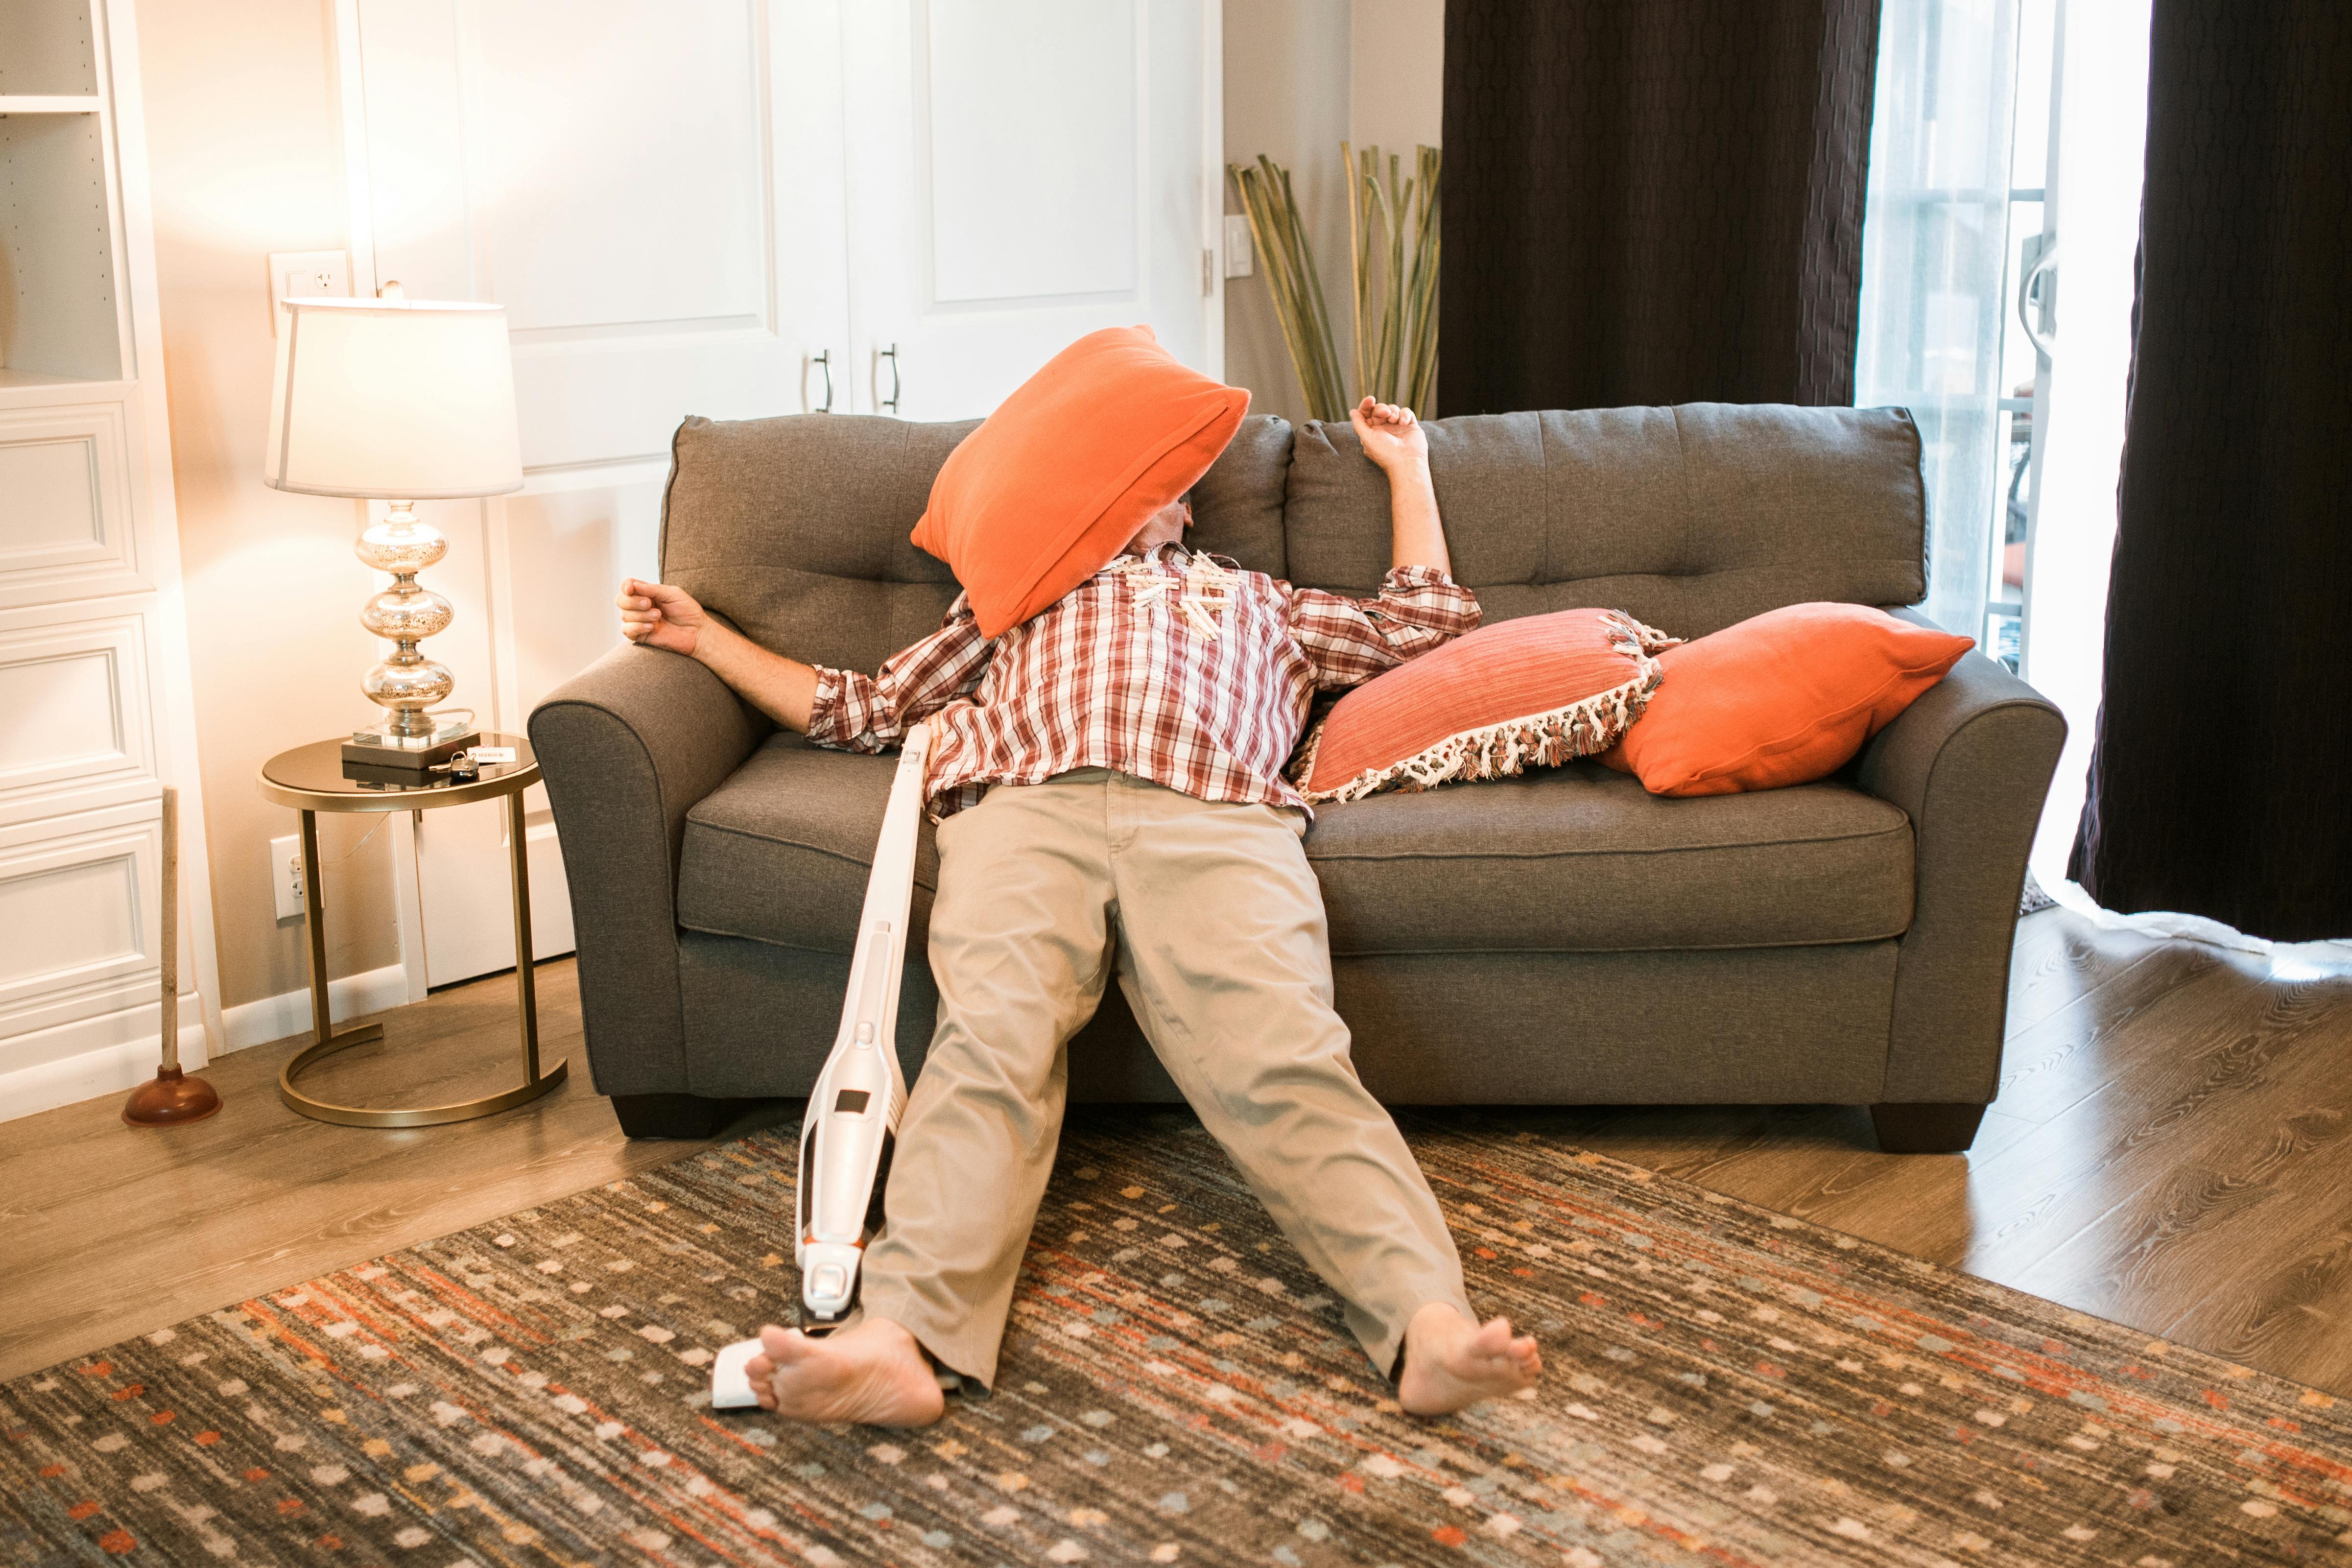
(1690, 518)
(796, 528)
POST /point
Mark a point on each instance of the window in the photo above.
(1960, 136)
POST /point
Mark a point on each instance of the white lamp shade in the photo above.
(396, 399)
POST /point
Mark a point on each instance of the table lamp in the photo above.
(398, 400)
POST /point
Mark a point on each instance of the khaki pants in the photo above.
(1213, 922)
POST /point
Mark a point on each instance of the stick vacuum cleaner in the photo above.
(851, 1120)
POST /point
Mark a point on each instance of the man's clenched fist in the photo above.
(660, 615)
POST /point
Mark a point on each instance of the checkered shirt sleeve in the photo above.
(1348, 641)
(856, 712)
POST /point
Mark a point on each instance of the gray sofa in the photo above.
(1563, 938)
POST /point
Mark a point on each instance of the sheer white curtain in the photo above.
(1934, 247)
(2095, 204)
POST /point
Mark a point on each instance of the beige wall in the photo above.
(246, 159)
(1396, 96)
(1301, 76)
(1286, 97)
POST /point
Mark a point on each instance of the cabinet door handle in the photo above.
(891, 402)
(823, 361)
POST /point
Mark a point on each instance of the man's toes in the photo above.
(783, 1346)
(1493, 1339)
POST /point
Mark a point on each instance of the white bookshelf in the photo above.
(94, 692)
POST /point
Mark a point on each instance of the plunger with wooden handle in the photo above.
(172, 1097)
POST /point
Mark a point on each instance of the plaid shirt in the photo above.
(1171, 667)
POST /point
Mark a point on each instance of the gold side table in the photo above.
(311, 780)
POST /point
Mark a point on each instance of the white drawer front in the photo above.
(79, 919)
(66, 524)
(75, 727)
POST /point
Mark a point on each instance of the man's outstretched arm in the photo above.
(842, 709)
(658, 616)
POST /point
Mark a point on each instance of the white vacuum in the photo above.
(851, 1120)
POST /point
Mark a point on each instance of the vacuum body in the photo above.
(852, 1120)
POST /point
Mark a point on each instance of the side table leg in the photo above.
(526, 992)
(323, 1014)
(324, 1041)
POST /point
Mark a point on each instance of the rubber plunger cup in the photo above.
(172, 1097)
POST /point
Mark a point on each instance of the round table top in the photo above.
(310, 778)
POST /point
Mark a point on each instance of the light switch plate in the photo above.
(305, 275)
(1241, 257)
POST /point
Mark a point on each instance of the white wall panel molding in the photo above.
(95, 695)
(67, 522)
(79, 914)
(79, 733)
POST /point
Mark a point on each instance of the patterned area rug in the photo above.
(1725, 1386)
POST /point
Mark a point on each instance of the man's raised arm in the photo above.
(1392, 438)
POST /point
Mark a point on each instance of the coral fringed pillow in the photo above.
(1783, 698)
(1527, 693)
(1054, 483)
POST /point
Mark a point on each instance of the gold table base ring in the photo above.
(422, 1115)
(311, 780)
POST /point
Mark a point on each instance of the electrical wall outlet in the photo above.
(286, 873)
(1241, 257)
(306, 275)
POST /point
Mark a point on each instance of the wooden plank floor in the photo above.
(106, 1231)
(2172, 1148)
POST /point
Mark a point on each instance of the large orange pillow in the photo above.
(1783, 699)
(1053, 483)
(1530, 692)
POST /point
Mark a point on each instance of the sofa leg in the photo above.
(1940, 1129)
(675, 1115)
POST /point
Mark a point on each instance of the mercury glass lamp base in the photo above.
(381, 748)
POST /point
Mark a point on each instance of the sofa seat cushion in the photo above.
(1574, 859)
(780, 852)
(1579, 859)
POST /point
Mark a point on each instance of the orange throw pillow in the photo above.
(1531, 692)
(1053, 483)
(1783, 699)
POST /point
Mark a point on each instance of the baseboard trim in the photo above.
(117, 1052)
(92, 1056)
(289, 1012)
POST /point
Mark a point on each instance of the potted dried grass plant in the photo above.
(1393, 270)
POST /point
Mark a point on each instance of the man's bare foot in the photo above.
(1451, 1363)
(872, 1371)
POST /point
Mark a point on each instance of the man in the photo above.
(1107, 779)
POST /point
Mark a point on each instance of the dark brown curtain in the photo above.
(1653, 201)
(2221, 776)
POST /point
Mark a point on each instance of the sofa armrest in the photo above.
(627, 747)
(1970, 761)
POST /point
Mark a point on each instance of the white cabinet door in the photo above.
(1020, 173)
(650, 189)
